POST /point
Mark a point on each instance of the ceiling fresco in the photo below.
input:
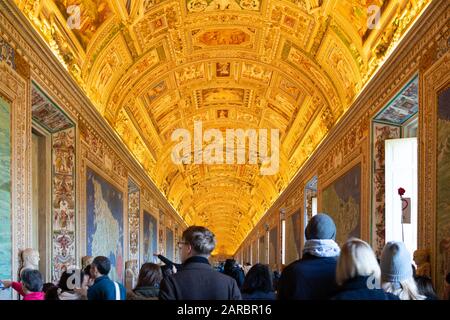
(153, 66)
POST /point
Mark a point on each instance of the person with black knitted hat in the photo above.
(313, 276)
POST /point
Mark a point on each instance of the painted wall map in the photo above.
(5, 195)
(169, 244)
(443, 189)
(150, 233)
(342, 201)
(292, 237)
(104, 222)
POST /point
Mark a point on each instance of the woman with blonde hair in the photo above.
(358, 273)
(396, 272)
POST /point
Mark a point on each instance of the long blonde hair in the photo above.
(356, 259)
(405, 290)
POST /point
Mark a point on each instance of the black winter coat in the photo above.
(310, 278)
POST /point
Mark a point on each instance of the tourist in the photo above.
(147, 287)
(86, 282)
(247, 266)
(276, 279)
(425, 287)
(258, 284)
(197, 280)
(50, 290)
(103, 287)
(313, 276)
(233, 270)
(66, 286)
(358, 273)
(30, 285)
(396, 272)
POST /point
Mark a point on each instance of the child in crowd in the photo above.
(30, 286)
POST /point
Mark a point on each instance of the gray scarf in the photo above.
(322, 248)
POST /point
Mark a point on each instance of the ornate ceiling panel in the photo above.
(154, 66)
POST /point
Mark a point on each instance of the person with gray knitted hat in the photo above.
(396, 272)
(313, 276)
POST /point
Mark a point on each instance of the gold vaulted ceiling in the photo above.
(152, 66)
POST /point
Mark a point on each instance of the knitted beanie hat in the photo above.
(321, 226)
(396, 263)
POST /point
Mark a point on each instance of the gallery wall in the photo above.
(98, 190)
(350, 156)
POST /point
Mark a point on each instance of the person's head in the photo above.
(258, 278)
(150, 275)
(196, 241)
(229, 265)
(321, 226)
(51, 291)
(47, 286)
(67, 281)
(31, 280)
(356, 259)
(100, 267)
(396, 271)
(425, 287)
(248, 264)
(86, 276)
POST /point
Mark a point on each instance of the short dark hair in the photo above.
(201, 239)
(230, 264)
(102, 264)
(149, 275)
(258, 278)
(32, 280)
(51, 291)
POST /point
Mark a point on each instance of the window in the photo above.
(283, 241)
(401, 171)
(313, 206)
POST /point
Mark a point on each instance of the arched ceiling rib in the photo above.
(153, 66)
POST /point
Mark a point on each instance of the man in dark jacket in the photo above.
(313, 276)
(103, 287)
(197, 280)
(233, 270)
